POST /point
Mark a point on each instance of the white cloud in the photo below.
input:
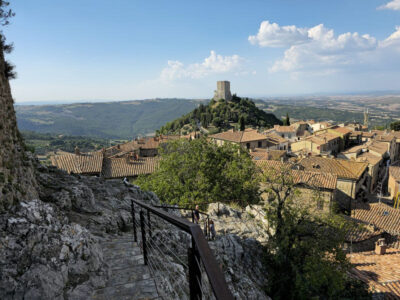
(273, 35)
(393, 5)
(319, 50)
(214, 64)
(393, 39)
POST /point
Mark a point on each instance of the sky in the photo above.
(97, 50)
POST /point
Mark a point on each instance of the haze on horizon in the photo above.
(75, 50)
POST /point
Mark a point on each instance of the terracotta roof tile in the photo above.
(267, 154)
(281, 128)
(378, 147)
(369, 158)
(339, 167)
(90, 163)
(322, 138)
(380, 215)
(387, 138)
(311, 179)
(394, 171)
(342, 130)
(275, 138)
(380, 272)
(120, 167)
(239, 136)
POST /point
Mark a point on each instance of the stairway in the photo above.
(130, 278)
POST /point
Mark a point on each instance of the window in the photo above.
(259, 144)
(320, 203)
(248, 145)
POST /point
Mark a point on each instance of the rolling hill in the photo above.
(221, 115)
(111, 120)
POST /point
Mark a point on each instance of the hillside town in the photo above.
(355, 170)
(221, 150)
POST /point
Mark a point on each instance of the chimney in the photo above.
(380, 247)
(77, 151)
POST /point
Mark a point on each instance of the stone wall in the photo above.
(17, 181)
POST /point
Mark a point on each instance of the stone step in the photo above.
(121, 252)
(125, 262)
(138, 290)
(124, 242)
(126, 275)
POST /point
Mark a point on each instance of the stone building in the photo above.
(324, 143)
(223, 91)
(317, 191)
(351, 176)
(394, 180)
(249, 138)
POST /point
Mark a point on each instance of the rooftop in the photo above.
(369, 158)
(380, 215)
(275, 138)
(378, 147)
(394, 171)
(263, 154)
(89, 163)
(280, 128)
(341, 168)
(247, 135)
(342, 130)
(121, 167)
(322, 138)
(380, 272)
(311, 179)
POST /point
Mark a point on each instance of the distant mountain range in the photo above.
(112, 120)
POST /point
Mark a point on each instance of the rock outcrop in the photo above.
(49, 246)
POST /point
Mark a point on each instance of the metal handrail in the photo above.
(200, 249)
(207, 222)
(180, 207)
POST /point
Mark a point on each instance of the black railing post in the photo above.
(134, 221)
(149, 222)
(143, 236)
(194, 273)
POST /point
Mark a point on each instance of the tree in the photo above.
(242, 123)
(5, 15)
(198, 171)
(286, 121)
(304, 253)
(395, 126)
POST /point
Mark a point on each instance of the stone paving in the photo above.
(130, 278)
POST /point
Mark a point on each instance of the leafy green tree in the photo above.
(395, 126)
(304, 253)
(198, 171)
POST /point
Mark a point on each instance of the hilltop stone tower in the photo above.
(223, 91)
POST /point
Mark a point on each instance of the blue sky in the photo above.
(120, 50)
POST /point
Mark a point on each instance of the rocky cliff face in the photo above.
(49, 246)
(17, 180)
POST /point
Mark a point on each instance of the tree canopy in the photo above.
(395, 126)
(197, 171)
